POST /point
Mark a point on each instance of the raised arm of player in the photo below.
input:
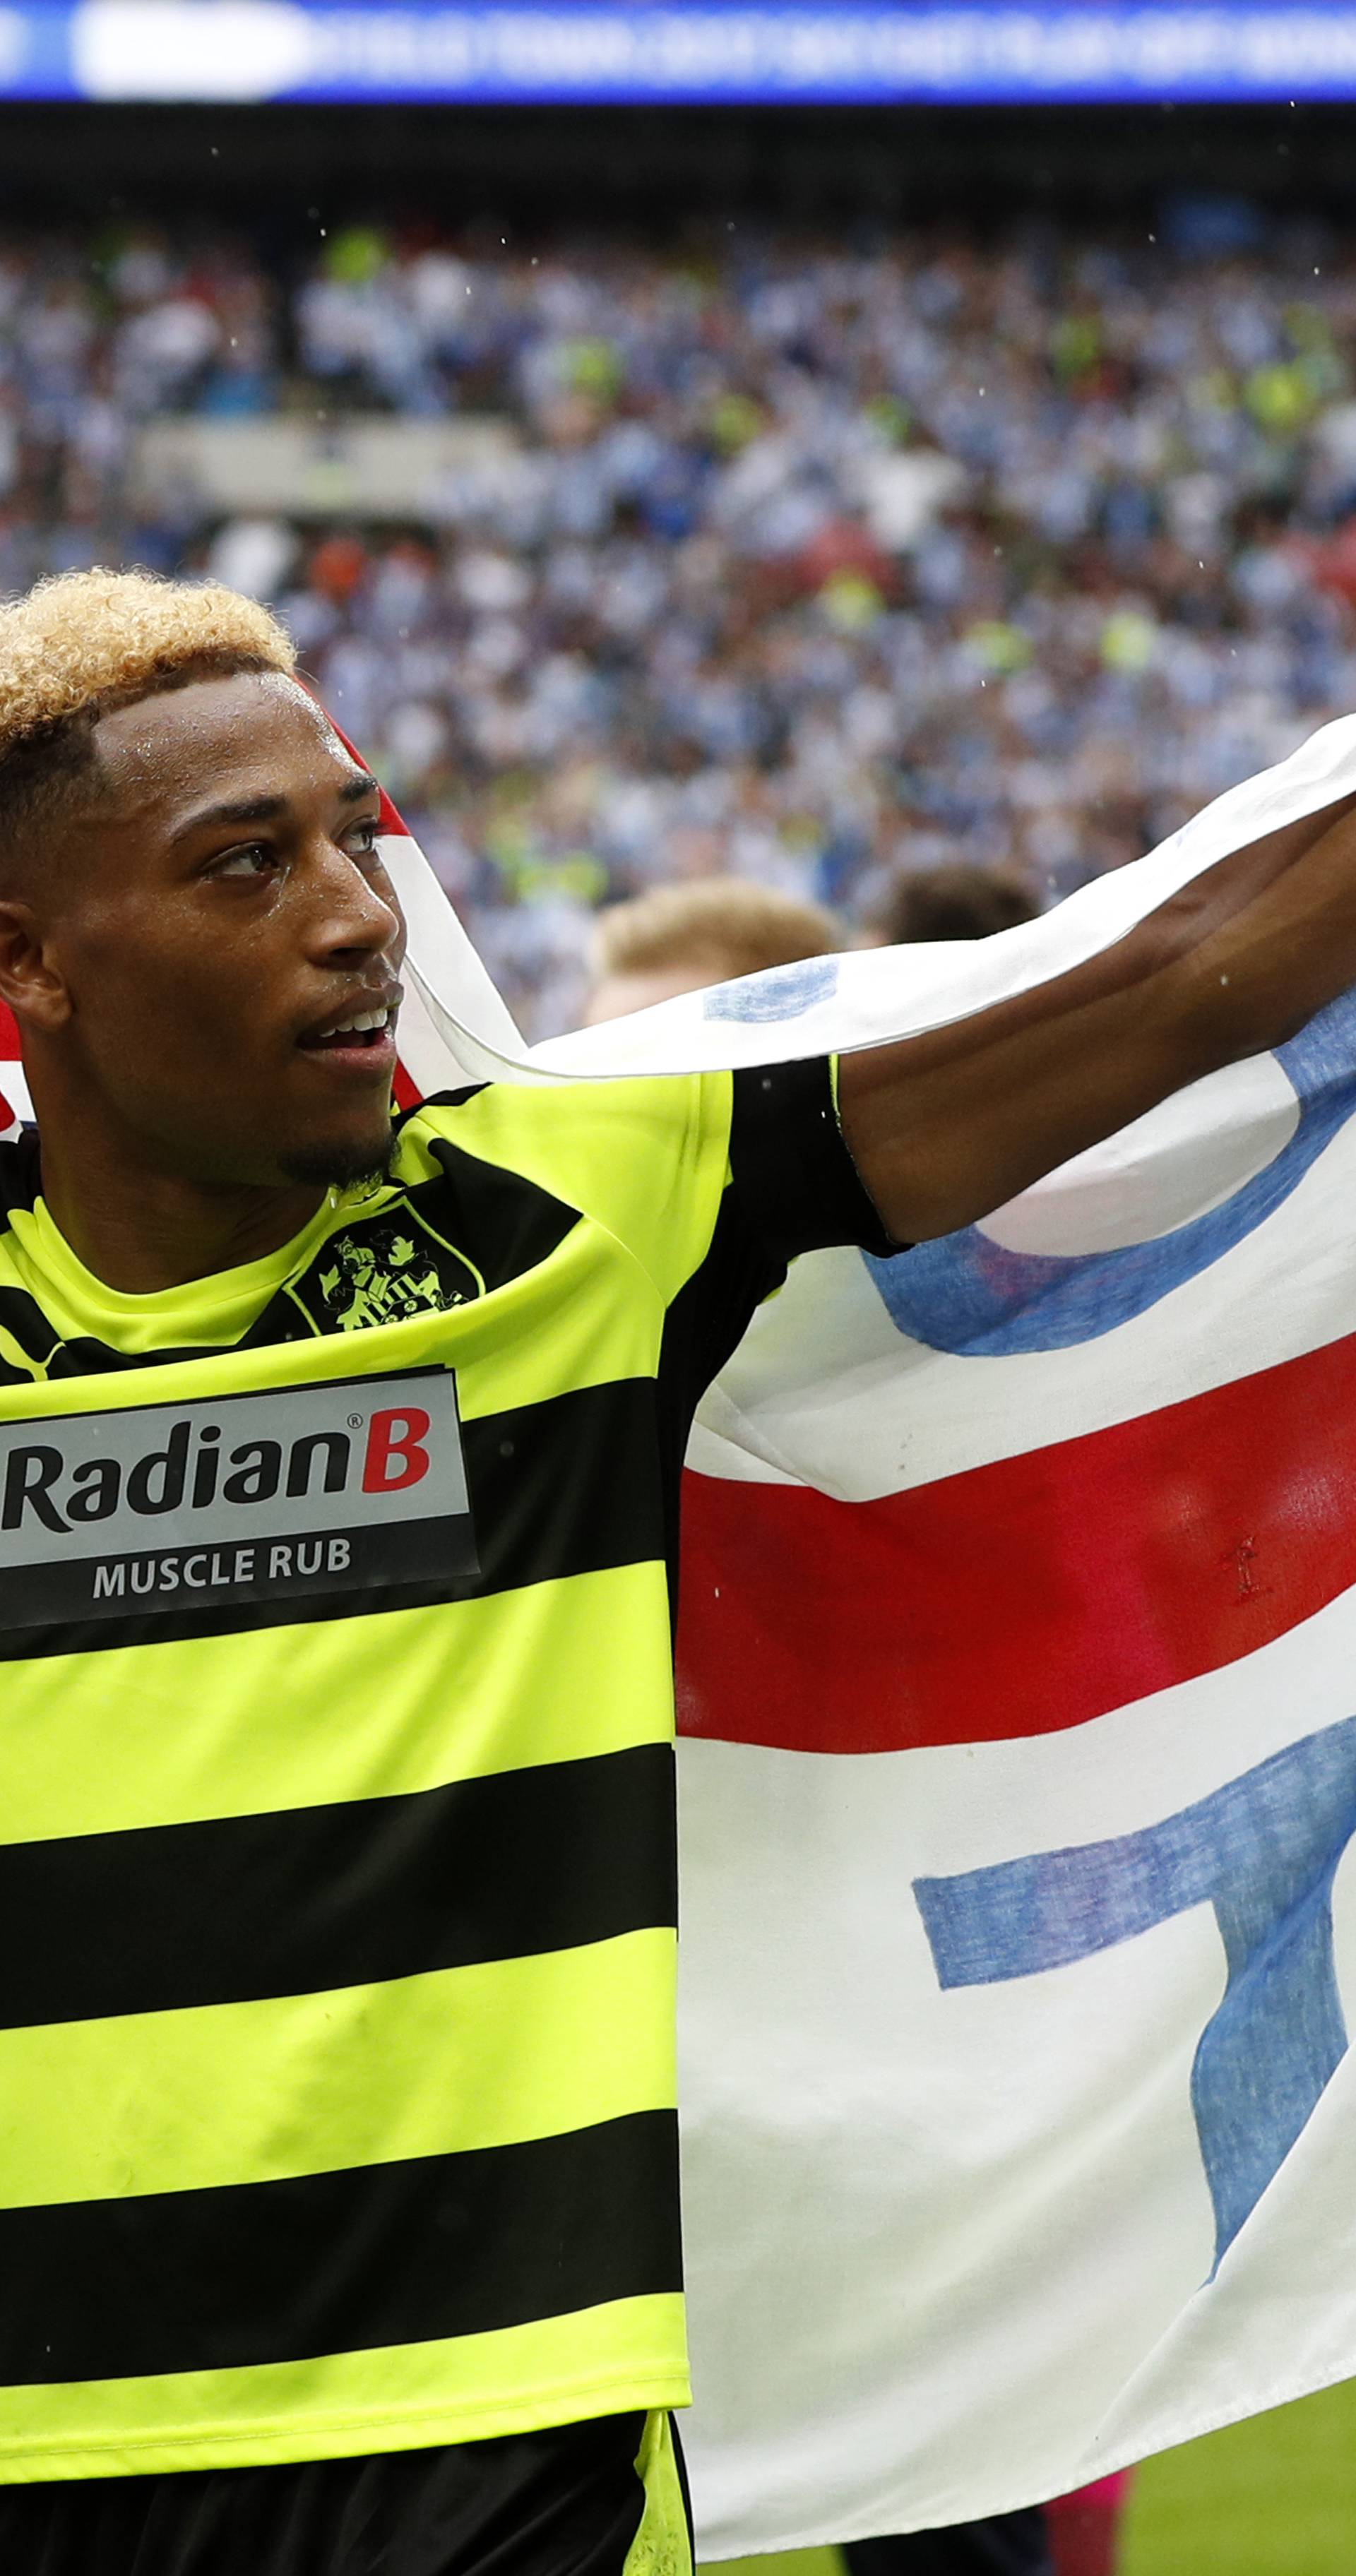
(947, 1126)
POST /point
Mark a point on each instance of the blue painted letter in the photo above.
(1263, 1851)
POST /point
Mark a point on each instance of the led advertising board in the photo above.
(1129, 51)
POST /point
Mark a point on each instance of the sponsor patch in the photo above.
(230, 1499)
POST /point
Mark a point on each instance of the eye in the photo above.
(250, 859)
(361, 839)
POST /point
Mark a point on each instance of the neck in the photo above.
(141, 1230)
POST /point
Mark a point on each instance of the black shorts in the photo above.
(563, 2503)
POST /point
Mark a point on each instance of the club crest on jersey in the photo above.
(382, 1272)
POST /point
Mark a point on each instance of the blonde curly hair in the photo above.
(722, 925)
(82, 643)
(78, 646)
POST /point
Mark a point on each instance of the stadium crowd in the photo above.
(812, 563)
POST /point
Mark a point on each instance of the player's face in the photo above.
(227, 919)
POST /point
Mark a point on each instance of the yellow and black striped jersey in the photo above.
(337, 1836)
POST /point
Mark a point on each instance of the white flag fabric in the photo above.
(1017, 1687)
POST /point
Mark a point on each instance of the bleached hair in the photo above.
(81, 644)
(87, 641)
(718, 925)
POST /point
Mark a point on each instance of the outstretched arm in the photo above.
(947, 1126)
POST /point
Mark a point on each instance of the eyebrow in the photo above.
(266, 809)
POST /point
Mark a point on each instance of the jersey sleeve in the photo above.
(680, 1165)
(646, 1159)
(797, 1185)
(712, 1183)
(790, 1187)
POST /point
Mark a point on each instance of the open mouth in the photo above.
(367, 1032)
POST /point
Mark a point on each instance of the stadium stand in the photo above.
(811, 562)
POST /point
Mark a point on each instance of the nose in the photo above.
(356, 915)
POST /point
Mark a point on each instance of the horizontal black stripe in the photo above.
(296, 1902)
(72, 1590)
(283, 2271)
(569, 1486)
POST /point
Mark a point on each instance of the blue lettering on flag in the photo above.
(779, 993)
(1263, 1851)
(968, 1294)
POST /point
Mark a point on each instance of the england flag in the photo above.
(1017, 1688)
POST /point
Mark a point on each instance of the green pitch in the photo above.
(1276, 2497)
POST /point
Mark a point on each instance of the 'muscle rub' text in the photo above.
(232, 1498)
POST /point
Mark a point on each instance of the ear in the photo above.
(31, 981)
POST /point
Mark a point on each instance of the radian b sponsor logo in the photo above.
(232, 1498)
(185, 1476)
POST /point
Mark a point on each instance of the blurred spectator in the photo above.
(955, 902)
(677, 938)
(1085, 2528)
